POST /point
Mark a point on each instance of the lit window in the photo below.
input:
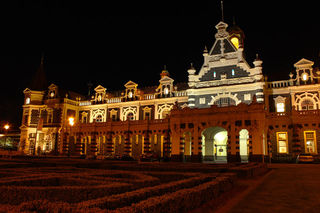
(282, 139)
(214, 74)
(280, 107)
(166, 91)
(232, 72)
(155, 139)
(247, 97)
(310, 141)
(202, 101)
(51, 94)
(99, 98)
(28, 100)
(235, 42)
(130, 94)
(305, 76)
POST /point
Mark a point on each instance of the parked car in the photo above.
(150, 157)
(305, 158)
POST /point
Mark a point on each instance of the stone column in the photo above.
(127, 143)
(147, 144)
(93, 147)
(166, 144)
(78, 150)
(65, 145)
(110, 148)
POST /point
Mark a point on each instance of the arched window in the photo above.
(307, 104)
(165, 113)
(130, 116)
(99, 118)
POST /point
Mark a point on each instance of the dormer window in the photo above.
(52, 94)
(28, 100)
(130, 94)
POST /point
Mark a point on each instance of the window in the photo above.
(235, 42)
(147, 116)
(165, 113)
(99, 118)
(282, 139)
(214, 74)
(247, 97)
(307, 104)
(130, 94)
(113, 117)
(305, 76)
(280, 107)
(232, 72)
(202, 101)
(28, 100)
(130, 116)
(155, 139)
(166, 91)
(52, 94)
(310, 141)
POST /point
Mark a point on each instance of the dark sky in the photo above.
(112, 44)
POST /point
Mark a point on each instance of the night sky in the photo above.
(112, 44)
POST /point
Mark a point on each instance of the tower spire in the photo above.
(222, 15)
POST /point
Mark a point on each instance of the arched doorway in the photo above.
(214, 145)
(244, 145)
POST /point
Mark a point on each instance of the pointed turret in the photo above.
(39, 81)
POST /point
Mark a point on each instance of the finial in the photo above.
(42, 58)
(222, 15)
(205, 49)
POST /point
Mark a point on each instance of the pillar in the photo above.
(110, 148)
(78, 150)
(127, 143)
(65, 145)
(93, 147)
(146, 147)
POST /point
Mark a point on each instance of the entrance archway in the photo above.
(214, 145)
(244, 145)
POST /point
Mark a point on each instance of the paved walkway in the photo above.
(288, 188)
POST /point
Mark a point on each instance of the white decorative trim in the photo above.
(224, 95)
(162, 108)
(128, 110)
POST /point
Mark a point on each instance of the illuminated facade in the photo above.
(227, 111)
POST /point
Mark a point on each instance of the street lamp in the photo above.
(6, 127)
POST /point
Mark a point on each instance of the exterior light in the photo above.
(6, 127)
(166, 91)
(71, 121)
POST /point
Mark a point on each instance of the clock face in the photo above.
(235, 42)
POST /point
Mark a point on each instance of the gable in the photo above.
(130, 84)
(303, 63)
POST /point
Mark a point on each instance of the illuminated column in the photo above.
(94, 148)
